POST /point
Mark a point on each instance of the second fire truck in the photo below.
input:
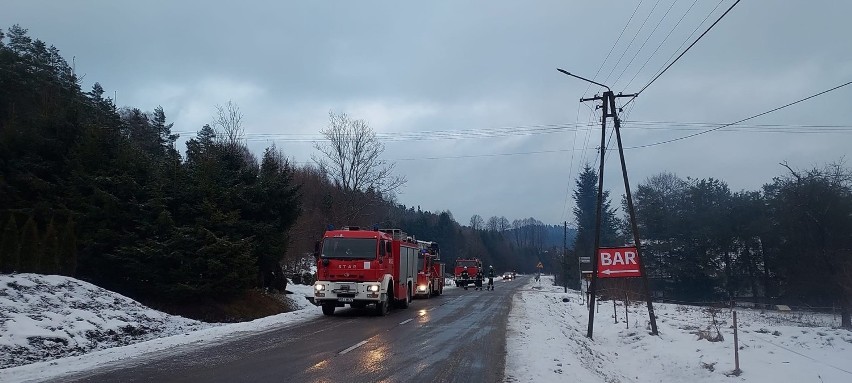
(430, 277)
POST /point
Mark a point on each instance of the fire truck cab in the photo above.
(365, 267)
(473, 266)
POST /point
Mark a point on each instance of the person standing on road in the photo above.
(465, 276)
(479, 278)
(491, 277)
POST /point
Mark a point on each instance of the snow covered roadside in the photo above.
(547, 343)
(44, 317)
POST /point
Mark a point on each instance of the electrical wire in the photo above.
(509, 131)
(570, 168)
(613, 45)
(485, 155)
(800, 354)
(644, 43)
(506, 132)
(743, 120)
(661, 44)
(683, 53)
(631, 41)
(688, 38)
(583, 160)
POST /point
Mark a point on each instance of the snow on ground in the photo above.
(547, 343)
(48, 316)
(66, 325)
(45, 317)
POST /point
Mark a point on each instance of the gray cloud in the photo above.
(450, 65)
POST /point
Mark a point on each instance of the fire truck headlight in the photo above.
(319, 287)
(373, 288)
(421, 287)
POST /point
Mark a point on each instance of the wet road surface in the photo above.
(457, 337)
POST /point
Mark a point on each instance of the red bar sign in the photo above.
(618, 262)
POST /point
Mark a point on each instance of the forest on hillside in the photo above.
(103, 193)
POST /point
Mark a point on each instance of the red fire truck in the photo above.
(365, 267)
(473, 266)
(430, 277)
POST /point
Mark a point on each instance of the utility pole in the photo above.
(565, 258)
(609, 110)
(633, 226)
(599, 211)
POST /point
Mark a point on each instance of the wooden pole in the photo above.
(736, 347)
(614, 310)
(633, 225)
(599, 209)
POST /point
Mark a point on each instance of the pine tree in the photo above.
(585, 212)
(9, 247)
(49, 261)
(68, 249)
(30, 247)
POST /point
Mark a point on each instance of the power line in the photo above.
(632, 40)
(486, 155)
(801, 354)
(613, 45)
(756, 128)
(626, 115)
(683, 53)
(509, 131)
(743, 120)
(661, 44)
(686, 40)
(592, 117)
(474, 134)
(644, 43)
(570, 168)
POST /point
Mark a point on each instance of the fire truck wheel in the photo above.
(382, 307)
(328, 309)
(403, 304)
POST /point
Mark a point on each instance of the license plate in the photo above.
(346, 299)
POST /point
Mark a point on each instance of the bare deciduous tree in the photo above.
(351, 156)
(493, 223)
(476, 222)
(503, 225)
(228, 123)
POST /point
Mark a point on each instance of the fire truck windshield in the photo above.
(349, 248)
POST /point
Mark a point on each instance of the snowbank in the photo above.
(45, 317)
(547, 343)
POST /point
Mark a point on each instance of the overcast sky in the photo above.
(486, 72)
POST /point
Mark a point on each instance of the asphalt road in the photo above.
(457, 337)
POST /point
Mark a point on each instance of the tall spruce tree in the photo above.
(30, 247)
(49, 261)
(68, 249)
(9, 247)
(585, 212)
